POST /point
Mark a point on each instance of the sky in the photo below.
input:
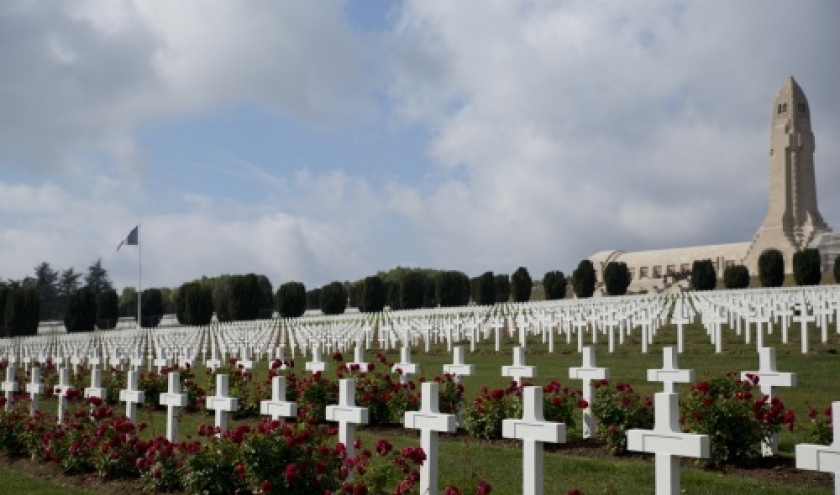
(328, 140)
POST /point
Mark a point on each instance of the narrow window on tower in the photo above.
(802, 108)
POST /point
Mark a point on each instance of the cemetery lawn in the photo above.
(578, 464)
(27, 477)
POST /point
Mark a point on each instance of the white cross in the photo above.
(534, 430)
(278, 408)
(359, 358)
(519, 370)
(161, 360)
(221, 403)
(131, 396)
(430, 422)
(347, 414)
(458, 368)
(667, 441)
(405, 367)
(580, 325)
(278, 356)
(769, 377)
(117, 360)
(96, 389)
(173, 399)
(823, 458)
(784, 315)
(95, 360)
(35, 388)
(76, 361)
(316, 364)
(186, 358)
(716, 321)
(610, 323)
(670, 374)
(214, 361)
(245, 359)
(62, 390)
(497, 326)
(10, 386)
(803, 319)
(137, 361)
(588, 372)
(680, 319)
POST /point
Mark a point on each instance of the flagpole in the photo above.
(139, 280)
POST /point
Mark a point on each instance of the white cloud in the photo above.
(86, 76)
(206, 236)
(568, 128)
(558, 129)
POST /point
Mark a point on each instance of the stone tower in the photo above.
(792, 215)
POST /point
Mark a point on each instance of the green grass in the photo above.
(19, 482)
(500, 463)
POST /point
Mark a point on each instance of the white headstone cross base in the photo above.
(769, 377)
(62, 390)
(519, 370)
(278, 408)
(458, 369)
(96, 389)
(587, 373)
(132, 396)
(174, 400)
(670, 374)
(823, 458)
(430, 422)
(316, 365)
(221, 403)
(668, 443)
(666, 440)
(10, 386)
(34, 388)
(534, 430)
(347, 414)
(405, 367)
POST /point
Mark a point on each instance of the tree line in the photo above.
(93, 303)
(415, 288)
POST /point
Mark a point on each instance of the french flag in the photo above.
(133, 238)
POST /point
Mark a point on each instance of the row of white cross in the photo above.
(666, 440)
(751, 314)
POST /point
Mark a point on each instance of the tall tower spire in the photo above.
(792, 214)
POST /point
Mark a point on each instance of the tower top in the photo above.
(791, 101)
